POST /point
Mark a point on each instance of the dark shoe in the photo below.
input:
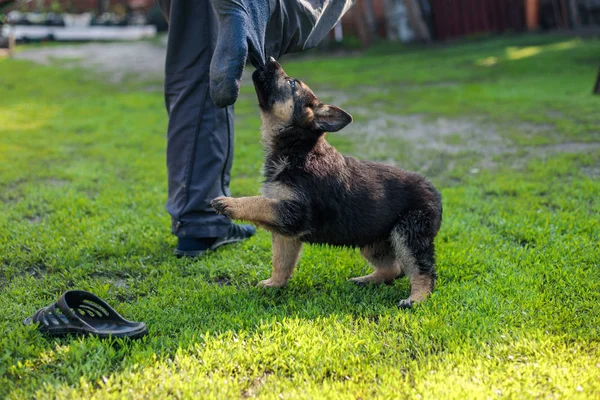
(193, 247)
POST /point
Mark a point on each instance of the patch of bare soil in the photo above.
(435, 145)
(117, 61)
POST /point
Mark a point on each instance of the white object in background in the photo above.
(79, 20)
(337, 32)
(82, 33)
(397, 21)
(406, 34)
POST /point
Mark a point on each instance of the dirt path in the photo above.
(143, 60)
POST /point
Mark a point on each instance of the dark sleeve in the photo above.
(300, 25)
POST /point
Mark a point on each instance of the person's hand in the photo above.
(249, 28)
(242, 28)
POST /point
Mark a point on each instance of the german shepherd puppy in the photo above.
(313, 194)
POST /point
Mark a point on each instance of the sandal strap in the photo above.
(87, 302)
(50, 317)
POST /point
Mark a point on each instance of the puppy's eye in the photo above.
(293, 83)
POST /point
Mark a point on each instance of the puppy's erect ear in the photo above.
(330, 118)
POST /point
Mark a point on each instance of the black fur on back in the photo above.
(343, 201)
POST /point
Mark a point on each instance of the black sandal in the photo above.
(81, 312)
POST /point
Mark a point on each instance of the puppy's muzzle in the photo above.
(264, 80)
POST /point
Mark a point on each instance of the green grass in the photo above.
(515, 312)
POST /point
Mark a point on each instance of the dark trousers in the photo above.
(200, 135)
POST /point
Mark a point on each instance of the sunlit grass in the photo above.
(514, 314)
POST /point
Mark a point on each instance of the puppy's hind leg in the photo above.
(286, 252)
(418, 258)
(381, 256)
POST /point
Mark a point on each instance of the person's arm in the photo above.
(259, 29)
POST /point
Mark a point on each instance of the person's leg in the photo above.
(200, 135)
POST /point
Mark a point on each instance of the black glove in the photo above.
(257, 29)
(242, 27)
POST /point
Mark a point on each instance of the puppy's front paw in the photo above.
(360, 281)
(271, 283)
(224, 206)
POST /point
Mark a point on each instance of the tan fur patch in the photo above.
(387, 267)
(270, 127)
(283, 110)
(275, 119)
(256, 209)
(310, 116)
(379, 276)
(278, 191)
(286, 252)
(420, 287)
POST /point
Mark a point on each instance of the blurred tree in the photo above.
(574, 11)
(416, 21)
(3, 5)
(6, 3)
(564, 13)
(102, 6)
(532, 14)
(396, 21)
(370, 17)
(597, 87)
(391, 22)
(362, 25)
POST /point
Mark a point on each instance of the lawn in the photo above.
(506, 128)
